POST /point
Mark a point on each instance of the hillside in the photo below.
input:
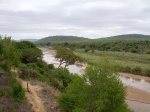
(55, 39)
(129, 37)
(59, 39)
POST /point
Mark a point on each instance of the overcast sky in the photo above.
(24, 19)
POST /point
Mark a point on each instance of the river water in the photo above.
(140, 84)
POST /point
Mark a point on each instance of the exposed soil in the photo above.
(135, 76)
(135, 93)
(42, 99)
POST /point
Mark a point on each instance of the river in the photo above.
(140, 84)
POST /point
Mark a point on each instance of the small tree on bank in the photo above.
(66, 56)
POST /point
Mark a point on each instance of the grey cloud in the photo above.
(93, 19)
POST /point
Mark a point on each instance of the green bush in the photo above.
(18, 92)
(60, 78)
(51, 66)
(92, 51)
(30, 71)
(127, 69)
(137, 70)
(147, 72)
(87, 49)
(98, 90)
(134, 51)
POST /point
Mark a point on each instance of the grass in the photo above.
(123, 59)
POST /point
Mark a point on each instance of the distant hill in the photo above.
(58, 39)
(30, 40)
(129, 37)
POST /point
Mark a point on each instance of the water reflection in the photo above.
(47, 57)
(140, 83)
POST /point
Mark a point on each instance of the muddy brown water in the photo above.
(47, 57)
(138, 83)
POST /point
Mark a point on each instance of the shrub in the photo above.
(30, 71)
(127, 69)
(17, 91)
(51, 66)
(97, 91)
(134, 51)
(92, 51)
(60, 78)
(137, 70)
(87, 49)
(147, 72)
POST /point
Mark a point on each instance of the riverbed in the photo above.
(138, 87)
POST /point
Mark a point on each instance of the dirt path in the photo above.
(32, 96)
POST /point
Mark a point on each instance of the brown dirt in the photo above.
(135, 76)
(32, 96)
(135, 93)
(43, 99)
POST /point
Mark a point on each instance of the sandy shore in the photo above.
(135, 76)
(136, 94)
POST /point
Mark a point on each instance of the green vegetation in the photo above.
(67, 39)
(133, 46)
(97, 91)
(30, 53)
(130, 55)
(130, 37)
(60, 78)
(66, 56)
(56, 39)
(12, 95)
(126, 62)
(9, 54)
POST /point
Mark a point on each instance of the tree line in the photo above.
(133, 46)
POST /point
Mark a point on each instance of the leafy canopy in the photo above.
(9, 53)
(66, 56)
(30, 53)
(97, 91)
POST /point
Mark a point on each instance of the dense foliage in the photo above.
(12, 95)
(9, 54)
(99, 90)
(133, 46)
(30, 53)
(66, 56)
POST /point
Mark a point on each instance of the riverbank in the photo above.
(133, 93)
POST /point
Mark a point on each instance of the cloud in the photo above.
(92, 19)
